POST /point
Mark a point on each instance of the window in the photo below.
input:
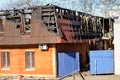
(30, 62)
(5, 60)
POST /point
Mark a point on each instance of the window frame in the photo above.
(29, 60)
(5, 63)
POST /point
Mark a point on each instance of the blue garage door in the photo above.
(101, 62)
(68, 62)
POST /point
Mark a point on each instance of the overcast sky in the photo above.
(2, 2)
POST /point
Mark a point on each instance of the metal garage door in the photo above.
(101, 62)
(68, 62)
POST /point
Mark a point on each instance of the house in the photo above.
(32, 39)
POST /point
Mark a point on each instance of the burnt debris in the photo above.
(69, 24)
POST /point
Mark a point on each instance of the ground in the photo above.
(87, 76)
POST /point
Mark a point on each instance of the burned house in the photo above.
(35, 41)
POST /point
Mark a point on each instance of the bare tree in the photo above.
(110, 4)
(20, 3)
(86, 5)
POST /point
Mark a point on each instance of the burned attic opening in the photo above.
(27, 23)
(49, 18)
(108, 27)
(17, 26)
(22, 20)
(1, 25)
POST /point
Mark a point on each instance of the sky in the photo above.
(70, 4)
(3, 2)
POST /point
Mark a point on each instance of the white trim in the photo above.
(29, 50)
(5, 68)
(54, 61)
(30, 69)
(5, 51)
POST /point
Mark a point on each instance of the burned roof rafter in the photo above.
(70, 25)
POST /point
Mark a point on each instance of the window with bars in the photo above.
(30, 59)
(5, 60)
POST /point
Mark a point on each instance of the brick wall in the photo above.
(43, 60)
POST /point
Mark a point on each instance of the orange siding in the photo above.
(43, 60)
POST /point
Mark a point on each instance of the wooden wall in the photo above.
(75, 47)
